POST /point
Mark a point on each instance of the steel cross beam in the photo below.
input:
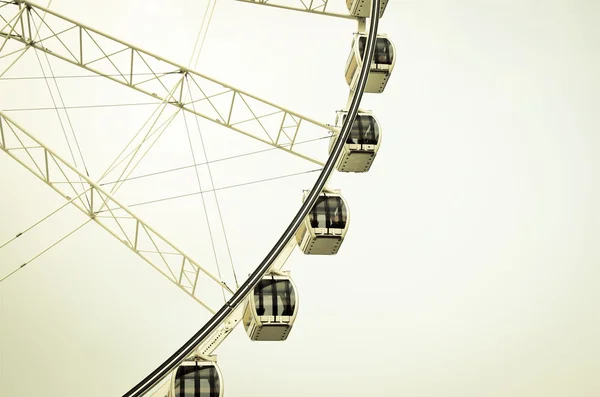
(120, 222)
(313, 6)
(152, 75)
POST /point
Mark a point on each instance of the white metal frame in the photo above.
(187, 273)
(318, 7)
(119, 221)
(234, 315)
(362, 8)
(209, 98)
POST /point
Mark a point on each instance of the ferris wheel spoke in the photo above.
(54, 244)
(152, 75)
(119, 221)
(9, 26)
(38, 160)
(138, 151)
(312, 6)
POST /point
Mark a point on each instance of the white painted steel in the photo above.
(234, 303)
(129, 229)
(232, 113)
(314, 7)
(201, 363)
(362, 8)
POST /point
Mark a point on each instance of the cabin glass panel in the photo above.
(196, 381)
(383, 50)
(364, 131)
(329, 212)
(274, 298)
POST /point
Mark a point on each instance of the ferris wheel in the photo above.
(266, 302)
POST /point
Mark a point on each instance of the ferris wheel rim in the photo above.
(242, 292)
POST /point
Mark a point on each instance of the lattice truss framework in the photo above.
(314, 6)
(35, 27)
(110, 214)
(25, 26)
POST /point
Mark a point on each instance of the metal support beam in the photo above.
(318, 7)
(129, 65)
(119, 221)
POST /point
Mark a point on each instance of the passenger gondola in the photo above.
(362, 144)
(325, 227)
(271, 309)
(382, 63)
(362, 8)
(197, 379)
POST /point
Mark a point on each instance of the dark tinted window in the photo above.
(197, 381)
(328, 212)
(364, 131)
(383, 50)
(274, 298)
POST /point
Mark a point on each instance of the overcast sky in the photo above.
(471, 263)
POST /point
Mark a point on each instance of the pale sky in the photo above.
(471, 265)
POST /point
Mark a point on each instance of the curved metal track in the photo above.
(240, 295)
